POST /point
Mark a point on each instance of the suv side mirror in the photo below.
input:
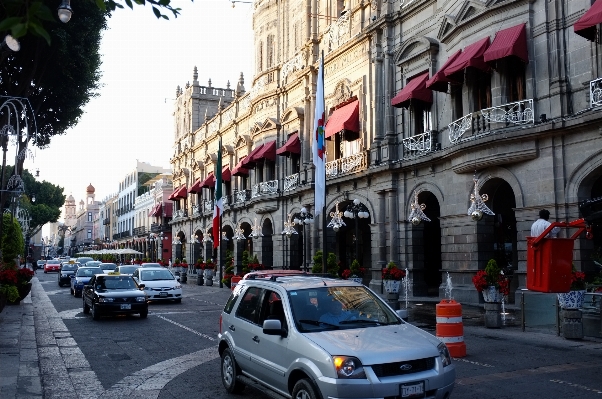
(141, 286)
(273, 327)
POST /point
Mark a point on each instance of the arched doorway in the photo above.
(180, 245)
(591, 250)
(426, 253)
(497, 234)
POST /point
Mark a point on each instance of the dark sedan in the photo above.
(67, 272)
(114, 294)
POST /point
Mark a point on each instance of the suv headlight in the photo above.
(140, 299)
(103, 299)
(348, 367)
(444, 354)
(177, 287)
(64, 275)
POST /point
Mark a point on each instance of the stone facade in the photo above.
(527, 133)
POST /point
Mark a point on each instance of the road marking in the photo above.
(456, 359)
(576, 385)
(202, 300)
(200, 334)
(72, 314)
(507, 375)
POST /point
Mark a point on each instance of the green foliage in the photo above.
(331, 265)
(355, 268)
(49, 200)
(12, 238)
(317, 266)
(34, 18)
(493, 272)
(245, 261)
(11, 292)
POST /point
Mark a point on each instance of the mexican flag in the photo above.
(219, 203)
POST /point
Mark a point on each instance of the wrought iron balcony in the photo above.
(241, 196)
(488, 120)
(350, 164)
(417, 145)
(595, 92)
(207, 206)
(291, 182)
(106, 221)
(196, 210)
(264, 188)
(159, 228)
(139, 231)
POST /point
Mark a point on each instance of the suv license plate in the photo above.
(126, 306)
(162, 293)
(414, 390)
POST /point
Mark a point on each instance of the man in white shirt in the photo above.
(542, 224)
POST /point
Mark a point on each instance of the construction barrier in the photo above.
(234, 281)
(450, 329)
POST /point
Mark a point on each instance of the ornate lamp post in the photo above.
(289, 230)
(354, 211)
(302, 218)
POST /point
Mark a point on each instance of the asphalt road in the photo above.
(173, 354)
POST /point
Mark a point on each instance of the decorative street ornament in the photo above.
(289, 227)
(239, 233)
(224, 236)
(336, 221)
(416, 214)
(207, 236)
(256, 233)
(478, 207)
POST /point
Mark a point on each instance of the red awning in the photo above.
(472, 56)
(267, 152)
(345, 118)
(415, 89)
(167, 210)
(158, 210)
(249, 162)
(181, 193)
(292, 146)
(209, 181)
(239, 170)
(439, 81)
(586, 26)
(153, 210)
(196, 187)
(172, 194)
(226, 175)
(508, 42)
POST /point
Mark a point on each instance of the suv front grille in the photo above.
(402, 368)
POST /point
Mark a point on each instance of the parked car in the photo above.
(67, 272)
(53, 265)
(314, 337)
(114, 294)
(82, 277)
(126, 269)
(93, 263)
(150, 265)
(40, 264)
(108, 267)
(160, 284)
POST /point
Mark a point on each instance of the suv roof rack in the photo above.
(272, 274)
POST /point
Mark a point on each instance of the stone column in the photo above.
(493, 315)
(393, 244)
(381, 239)
(239, 247)
(572, 323)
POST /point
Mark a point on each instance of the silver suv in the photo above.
(310, 337)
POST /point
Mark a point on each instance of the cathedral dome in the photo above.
(90, 189)
(70, 199)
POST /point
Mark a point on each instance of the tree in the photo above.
(48, 204)
(12, 238)
(25, 17)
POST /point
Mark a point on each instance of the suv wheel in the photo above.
(95, 312)
(304, 389)
(86, 307)
(229, 373)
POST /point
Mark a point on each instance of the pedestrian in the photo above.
(542, 224)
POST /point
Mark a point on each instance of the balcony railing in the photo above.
(241, 196)
(487, 120)
(291, 182)
(196, 210)
(207, 206)
(106, 221)
(350, 164)
(595, 92)
(264, 188)
(159, 228)
(180, 213)
(418, 145)
(138, 231)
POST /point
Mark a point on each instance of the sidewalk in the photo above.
(19, 362)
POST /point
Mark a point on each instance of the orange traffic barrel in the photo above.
(234, 281)
(450, 329)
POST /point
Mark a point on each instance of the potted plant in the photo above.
(355, 272)
(317, 266)
(491, 282)
(574, 298)
(392, 276)
(229, 270)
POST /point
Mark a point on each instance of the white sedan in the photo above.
(159, 284)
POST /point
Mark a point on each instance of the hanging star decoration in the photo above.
(478, 207)
(416, 214)
(336, 221)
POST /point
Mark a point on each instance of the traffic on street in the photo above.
(173, 353)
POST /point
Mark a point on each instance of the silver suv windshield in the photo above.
(327, 308)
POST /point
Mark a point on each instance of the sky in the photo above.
(143, 61)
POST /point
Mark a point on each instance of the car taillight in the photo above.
(220, 323)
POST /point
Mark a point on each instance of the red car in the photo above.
(52, 266)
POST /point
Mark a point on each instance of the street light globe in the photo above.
(416, 221)
(363, 214)
(348, 214)
(476, 215)
(356, 202)
(64, 11)
(297, 221)
(308, 221)
(304, 210)
(335, 228)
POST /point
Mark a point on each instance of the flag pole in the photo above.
(324, 254)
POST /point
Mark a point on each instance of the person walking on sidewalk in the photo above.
(542, 224)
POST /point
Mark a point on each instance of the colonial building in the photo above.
(82, 231)
(435, 107)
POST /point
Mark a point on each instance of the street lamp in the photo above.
(302, 218)
(356, 210)
(64, 11)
